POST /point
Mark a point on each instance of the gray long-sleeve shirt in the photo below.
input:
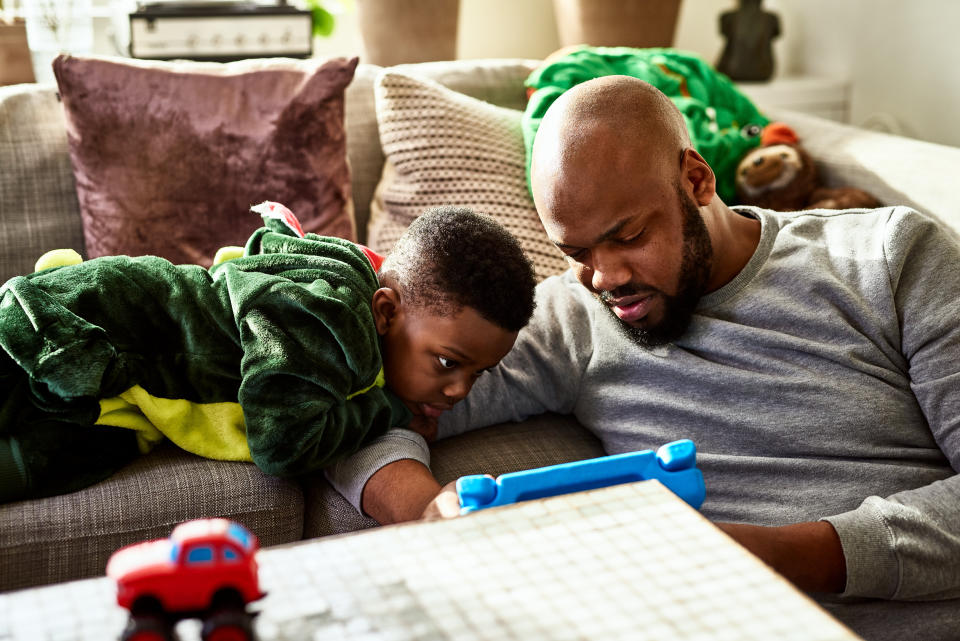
(822, 382)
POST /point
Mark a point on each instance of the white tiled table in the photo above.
(625, 562)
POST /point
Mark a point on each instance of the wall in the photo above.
(899, 54)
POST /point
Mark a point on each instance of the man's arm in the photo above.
(809, 555)
(905, 546)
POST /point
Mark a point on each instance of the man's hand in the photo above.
(809, 555)
(445, 505)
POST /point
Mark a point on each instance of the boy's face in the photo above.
(430, 360)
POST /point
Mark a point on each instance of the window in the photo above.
(230, 555)
(240, 535)
(200, 554)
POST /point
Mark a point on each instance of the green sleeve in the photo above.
(309, 342)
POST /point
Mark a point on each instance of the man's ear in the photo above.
(386, 307)
(697, 176)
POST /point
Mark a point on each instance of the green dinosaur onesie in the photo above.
(722, 122)
(287, 330)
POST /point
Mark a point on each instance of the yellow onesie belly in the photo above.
(211, 430)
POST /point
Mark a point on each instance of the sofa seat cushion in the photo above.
(71, 536)
(539, 441)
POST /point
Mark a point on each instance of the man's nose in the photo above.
(610, 270)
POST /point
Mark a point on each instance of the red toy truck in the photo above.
(206, 569)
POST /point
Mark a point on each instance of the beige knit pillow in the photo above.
(445, 148)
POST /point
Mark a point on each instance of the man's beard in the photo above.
(694, 272)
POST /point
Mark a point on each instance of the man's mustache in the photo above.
(630, 289)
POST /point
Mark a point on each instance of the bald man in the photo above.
(813, 357)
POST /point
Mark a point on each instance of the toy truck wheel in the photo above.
(147, 607)
(228, 625)
(226, 599)
(147, 628)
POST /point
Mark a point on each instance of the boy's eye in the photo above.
(447, 363)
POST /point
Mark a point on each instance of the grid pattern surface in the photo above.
(625, 562)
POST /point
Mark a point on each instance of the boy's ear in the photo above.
(386, 307)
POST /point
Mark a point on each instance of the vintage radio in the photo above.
(220, 31)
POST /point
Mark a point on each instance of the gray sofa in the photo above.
(71, 536)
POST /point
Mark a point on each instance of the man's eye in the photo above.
(447, 363)
(633, 239)
(575, 255)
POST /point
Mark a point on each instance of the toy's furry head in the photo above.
(777, 175)
(780, 176)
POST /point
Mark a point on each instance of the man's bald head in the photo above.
(618, 115)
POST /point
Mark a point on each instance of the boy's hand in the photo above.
(445, 505)
(425, 426)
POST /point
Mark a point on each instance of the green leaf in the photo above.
(322, 19)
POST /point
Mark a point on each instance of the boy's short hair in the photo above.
(453, 257)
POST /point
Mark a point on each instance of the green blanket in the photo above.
(722, 122)
(287, 330)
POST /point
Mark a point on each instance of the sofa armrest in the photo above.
(895, 169)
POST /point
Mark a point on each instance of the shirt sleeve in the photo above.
(905, 546)
(541, 373)
(350, 475)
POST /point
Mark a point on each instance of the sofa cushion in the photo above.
(38, 200)
(71, 536)
(168, 157)
(498, 81)
(363, 144)
(446, 148)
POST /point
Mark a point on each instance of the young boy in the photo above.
(279, 356)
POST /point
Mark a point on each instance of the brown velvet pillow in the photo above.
(169, 156)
